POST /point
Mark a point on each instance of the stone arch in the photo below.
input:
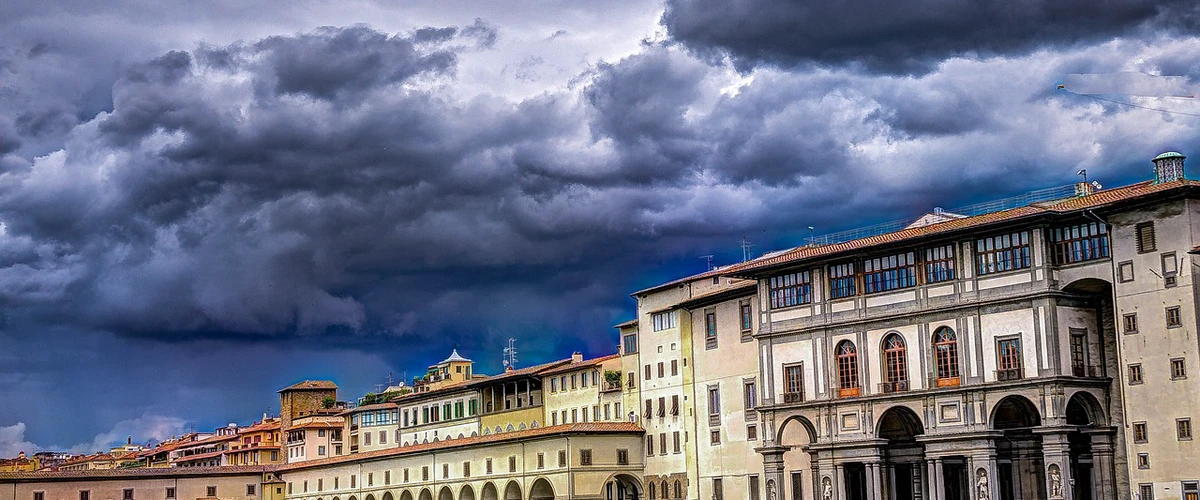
(803, 422)
(796, 433)
(1013, 412)
(541, 490)
(425, 494)
(370, 497)
(893, 349)
(899, 423)
(534, 425)
(406, 495)
(466, 493)
(352, 497)
(521, 427)
(510, 427)
(387, 495)
(499, 429)
(487, 431)
(620, 486)
(512, 491)
(488, 492)
(445, 493)
(1084, 409)
(678, 489)
(476, 434)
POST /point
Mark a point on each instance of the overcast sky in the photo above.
(203, 202)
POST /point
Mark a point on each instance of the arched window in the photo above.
(945, 353)
(664, 490)
(847, 363)
(895, 364)
(651, 490)
(678, 489)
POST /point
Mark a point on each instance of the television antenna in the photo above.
(510, 354)
(708, 259)
(746, 246)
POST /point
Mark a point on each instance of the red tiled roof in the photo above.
(627, 323)
(317, 425)
(680, 281)
(579, 366)
(590, 427)
(310, 385)
(1074, 204)
(374, 406)
(200, 456)
(140, 472)
(742, 288)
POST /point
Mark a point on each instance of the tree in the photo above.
(328, 402)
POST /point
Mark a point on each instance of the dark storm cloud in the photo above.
(905, 37)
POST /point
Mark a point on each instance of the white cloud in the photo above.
(12, 440)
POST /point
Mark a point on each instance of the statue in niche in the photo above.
(981, 485)
(770, 489)
(1055, 476)
(826, 489)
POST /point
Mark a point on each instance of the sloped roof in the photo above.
(455, 357)
(1074, 204)
(100, 474)
(569, 367)
(310, 385)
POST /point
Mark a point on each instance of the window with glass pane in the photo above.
(631, 346)
(1009, 358)
(945, 350)
(794, 380)
(791, 289)
(714, 401)
(1078, 352)
(939, 264)
(1079, 243)
(891, 272)
(665, 320)
(744, 309)
(847, 362)
(894, 359)
(710, 329)
(1000, 253)
(841, 280)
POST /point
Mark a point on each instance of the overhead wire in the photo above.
(1130, 104)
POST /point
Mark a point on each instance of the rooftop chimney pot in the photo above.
(576, 357)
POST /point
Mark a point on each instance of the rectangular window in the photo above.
(1008, 353)
(752, 432)
(1078, 352)
(753, 486)
(939, 264)
(662, 443)
(745, 314)
(665, 320)
(791, 289)
(1191, 490)
(541, 460)
(321, 451)
(710, 330)
(424, 475)
(487, 466)
(1174, 320)
(647, 372)
(86, 494)
(631, 344)
(1001, 253)
(1079, 243)
(649, 445)
(1139, 432)
(622, 457)
(387, 477)
(793, 376)
(661, 370)
(891, 272)
(1170, 266)
(41, 495)
(585, 457)
(405, 478)
(553, 418)
(367, 439)
(1183, 429)
(212, 491)
(675, 442)
(1143, 460)
(370, 479)
(749, 395)
(1178, 369)
(127, 494)
(1129, 323)
(714, 401)
(674, 367)
(250, 490)
(1125, 271)
(553, 385)
(1145, 491)
(718, 489)
(1145, 237)
(662, 406)
(562, 458)
(170, 493)
(512, 464)
(714, 436)
(841, 281)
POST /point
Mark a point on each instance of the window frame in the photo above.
(1174, 317)
(848, 376)
(1079, 243)
(1143, 233)
(998, 254)
(1141, 433)
(1008, 361)
(1183, 429)
(1135, 374)
(895, 359)
(938, 263)
(790, 289)
(790, 382)
(842, 279)
(888, 273)
(1181, 373)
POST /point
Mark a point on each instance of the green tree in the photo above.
(328, 402)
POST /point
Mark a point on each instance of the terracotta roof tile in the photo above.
(590, 427)
(1067, 205)
(140, 472)
(310, 385)
(627, 323)
(579, 366)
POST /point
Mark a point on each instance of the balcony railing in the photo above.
(793, 397)
(894, 386)
(945, 381)
(1009, 374)
(849, 392)
(610, 386)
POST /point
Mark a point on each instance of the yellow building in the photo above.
(580, 391)
(259, 444)
(19, 464)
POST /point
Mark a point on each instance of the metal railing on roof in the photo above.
(987, 207)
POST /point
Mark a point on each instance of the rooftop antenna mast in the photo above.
(1083, 173)
(746, 246)
(708, 258)
(812, 237)
(510, 354)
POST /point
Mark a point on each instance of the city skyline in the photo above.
(197, 213)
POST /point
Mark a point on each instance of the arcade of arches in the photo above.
(1017, 455)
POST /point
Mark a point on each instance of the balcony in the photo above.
(849, 392)
(945, 381)
(610, 386)
(1009, 374)
(1088, 371)
(793, 397)
(894, 386)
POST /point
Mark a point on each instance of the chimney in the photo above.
(129, 440)
(1084, 188)
(1168, 167)
(576, 357)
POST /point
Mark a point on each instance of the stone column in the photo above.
(1104, 482)
(1056, 459)
(773, 469)
(839, 483)
(938, 489)
(874, 484)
